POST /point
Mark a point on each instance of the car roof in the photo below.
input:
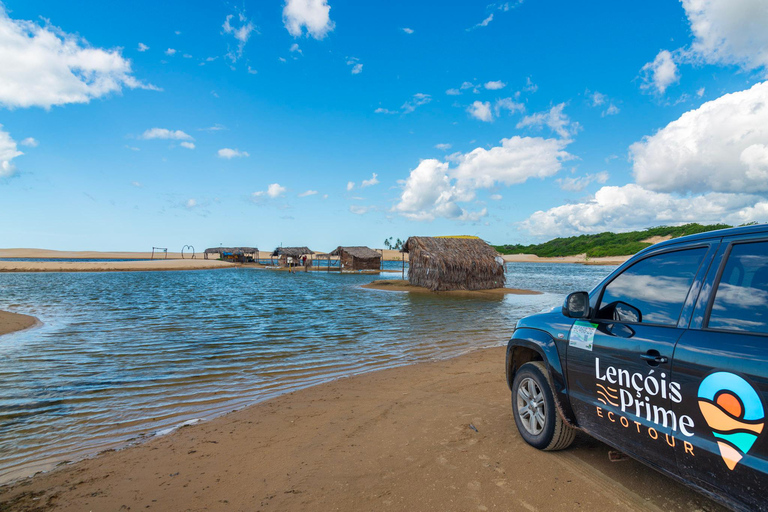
(709, 235)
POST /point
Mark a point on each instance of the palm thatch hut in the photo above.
(453, 263)
(294, 253)
(358, 258)
(236, 254)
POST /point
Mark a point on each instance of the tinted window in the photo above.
(652, 290)
(741, 299)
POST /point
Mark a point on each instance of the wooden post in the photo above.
(402, 255)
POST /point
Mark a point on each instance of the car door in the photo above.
(618, 362)
(721, 364)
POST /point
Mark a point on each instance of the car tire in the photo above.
(536, 415)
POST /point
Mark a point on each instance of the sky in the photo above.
(128, 125)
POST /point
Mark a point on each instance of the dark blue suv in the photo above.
(665, 360)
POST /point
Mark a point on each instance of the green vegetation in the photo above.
(605, 244)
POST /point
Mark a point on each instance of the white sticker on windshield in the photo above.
(582, 335)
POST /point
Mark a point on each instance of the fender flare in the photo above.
(544, 345)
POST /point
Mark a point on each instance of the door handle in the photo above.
(653, 358)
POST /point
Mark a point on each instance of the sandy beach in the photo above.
(432, 436)
(12, 322)
(579, 258)
(402, 285)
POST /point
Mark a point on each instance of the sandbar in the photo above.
(579, 258)
(108, 266)
(12, 322)
(401, 285)
(431, 436)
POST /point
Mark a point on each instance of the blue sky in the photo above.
(127, 125)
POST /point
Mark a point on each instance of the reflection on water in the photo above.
(122, 355)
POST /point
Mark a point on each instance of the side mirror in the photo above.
(576, 305)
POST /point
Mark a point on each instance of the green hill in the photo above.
(605, 244)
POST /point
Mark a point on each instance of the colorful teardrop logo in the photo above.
(732, 408)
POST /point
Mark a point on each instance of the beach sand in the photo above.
(400, 285)
(12, 322)
(107, 266)
(580, 258)
(432, 436)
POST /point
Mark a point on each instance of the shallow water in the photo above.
(123, 355)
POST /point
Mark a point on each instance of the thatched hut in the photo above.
(358, 258)
(453, 263)
(294, 253)
(237, 254)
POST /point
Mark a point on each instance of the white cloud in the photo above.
(509, 105)
(308, 193)
(215, 128)
(30, 142)
(350, 185)
(434, 189)
(494, 85)
(382, 110)
(721, 146)
(359, 210)
(170, 52)
(188, 145)
(443, 147)
(142, 47)
(273, 191)
(191, 203)
(295, 48)
(407, 30)
(370, 182)
(137, 184)
(612, 110)
(418, 100)
(700, 92)
(453, 92)
(310, 14)
(483, 23)
(530, 86)
(481, 110)
(496, 197)
(357, 67)
(597, 98)
(252, 71)
(232, 153)
(579, 183)
(8, 151)
(241, 33)
(661, 73)
(132, 148)
(163, 133)
(43, 66)
(729, 31)
(634, 207)
(555, 119)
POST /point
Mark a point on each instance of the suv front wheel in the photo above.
(534, 409)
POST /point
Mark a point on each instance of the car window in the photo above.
(741, 299)
(652, 290)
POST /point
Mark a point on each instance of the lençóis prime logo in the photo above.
(733, 410)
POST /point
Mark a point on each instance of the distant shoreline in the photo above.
(14, 322)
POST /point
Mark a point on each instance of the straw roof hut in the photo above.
(241, 254)
(453, 263)
(358, 258)
(295, 253)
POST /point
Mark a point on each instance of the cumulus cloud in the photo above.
(308, 193)
(370, 182)
(729, 31)
(579, 183)
(453, 92)
(530, 86)
(357, 67)
(481, 110)
(170, 52)
(142, 47)
(509, 105)
(188, 145)
(721, 147)
(443, 147)
(241, 30)
(555, 119)
(314, 15)
(229, 153)
(435, 188)
(273, 191)
(8, 151)
(164, 133)
(494, 85)
(661, 73)
(612, 110)
(634, 207)
(191, 203)
(350, 185)
(43, 66)
(407, 30)
(30, 142)
(418, 100)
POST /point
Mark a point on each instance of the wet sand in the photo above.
(432, 436)
(400, 285)
(579, 258)
(12, 322)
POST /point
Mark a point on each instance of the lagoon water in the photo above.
(125, 355)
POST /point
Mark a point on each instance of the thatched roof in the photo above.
(293, 252)
(232, 250)
(453, 263)
(360, 252)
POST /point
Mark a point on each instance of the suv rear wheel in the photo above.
(534, 409)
